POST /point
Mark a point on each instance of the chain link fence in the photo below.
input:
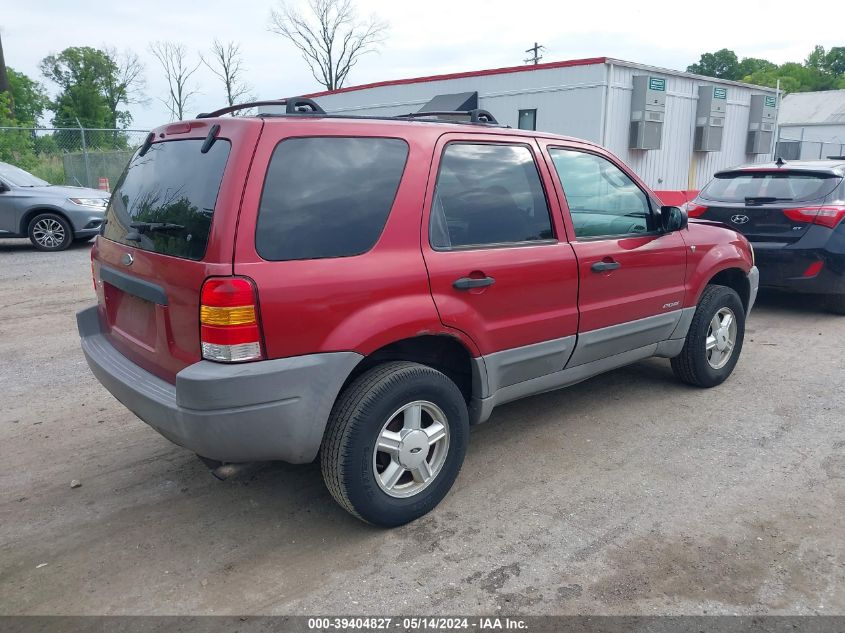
(70, 156)
(804, 149)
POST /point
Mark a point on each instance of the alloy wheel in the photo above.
(721, 338)
(49, 233)
(411, 449)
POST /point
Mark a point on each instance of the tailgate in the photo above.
(170, 225)
(758, 202)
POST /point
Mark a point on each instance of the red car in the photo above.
(364, 289)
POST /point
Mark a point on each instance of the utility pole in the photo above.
(535, 57)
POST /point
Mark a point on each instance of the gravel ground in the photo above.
(627, 494)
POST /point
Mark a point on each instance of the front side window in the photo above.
(327, 196)
(602, 199)
(488, 194)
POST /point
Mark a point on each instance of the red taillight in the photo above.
(229, 328)
(695, 210)
(829, 216)
(814, 269)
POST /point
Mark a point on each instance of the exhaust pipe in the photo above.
(221, 470)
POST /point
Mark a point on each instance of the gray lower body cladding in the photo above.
(266, 410)
(562, 362)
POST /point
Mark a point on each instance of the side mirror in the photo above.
(3, 187)
(673, 219)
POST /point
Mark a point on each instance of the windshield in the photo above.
(165, 199)
(764, 187)
(20, 178)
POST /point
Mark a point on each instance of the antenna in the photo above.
(535, 57)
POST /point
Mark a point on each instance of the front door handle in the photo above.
(466, 283)
(600, 267)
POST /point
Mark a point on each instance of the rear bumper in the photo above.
(267, 410)
(783, 266)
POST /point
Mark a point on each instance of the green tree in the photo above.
(816, 59)
(835, 61)
(16, 147)
(722, 64)
(81, 74)
(750, 65)
(29, 98)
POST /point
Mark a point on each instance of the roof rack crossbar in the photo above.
(475, 116)
(293, 105)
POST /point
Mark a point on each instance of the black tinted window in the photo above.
(781, 186)
(165, 198)
(602, 199)
(488, 194)
(328, 197)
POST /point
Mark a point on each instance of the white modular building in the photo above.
(675, 129)
(812, 125)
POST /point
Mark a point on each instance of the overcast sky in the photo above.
(428, 37)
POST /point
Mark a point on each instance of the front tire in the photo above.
(714, 341)
(50, 232)
(395, 442)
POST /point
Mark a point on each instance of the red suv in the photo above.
(280, 287)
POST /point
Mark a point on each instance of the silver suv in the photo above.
(51, 216)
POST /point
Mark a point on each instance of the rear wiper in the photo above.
(765, 199)
(151, 227)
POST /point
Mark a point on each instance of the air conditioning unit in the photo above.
(648, 109)
(761, 124)
(710, 118)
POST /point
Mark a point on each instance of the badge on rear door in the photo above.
(127, 259)
(739, 219)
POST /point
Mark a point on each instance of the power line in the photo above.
(535, 57)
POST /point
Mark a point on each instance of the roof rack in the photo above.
(293, 105)
(475, 116)
(299, 106)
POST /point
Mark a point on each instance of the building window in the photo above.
(528, 119)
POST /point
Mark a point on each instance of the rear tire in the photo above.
(836, 303)
(50, 232)
(361, 448)
(714, 341)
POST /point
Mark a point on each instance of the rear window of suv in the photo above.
(165, 199)
(327, 196)
(781, 186)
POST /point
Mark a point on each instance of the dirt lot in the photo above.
(630, 493)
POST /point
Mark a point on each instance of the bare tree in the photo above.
(173, 58)
(225, 63)
(329, 36)
(124, 85)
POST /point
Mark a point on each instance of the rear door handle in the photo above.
(600, 267)
(466, 283)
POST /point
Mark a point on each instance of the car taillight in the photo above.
(695, 210)
(829, 216)
(814, 269)
(229, 328)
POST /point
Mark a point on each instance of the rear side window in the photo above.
(164, 201)
(488, 194)
(328, 196)
(781, 186)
